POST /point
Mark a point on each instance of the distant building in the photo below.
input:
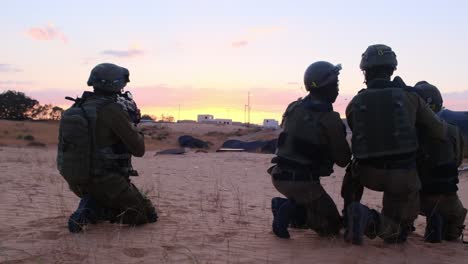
(209, 119)
(221, 121)
(204, 118)
(270, 123)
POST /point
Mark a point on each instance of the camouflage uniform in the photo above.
(95, 158)
(112, 188)
(384, 144)
(314, 138)
(437, 167)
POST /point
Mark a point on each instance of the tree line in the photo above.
(16, 105)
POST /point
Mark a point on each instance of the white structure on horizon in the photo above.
(221, 121)
(209, 119)
(270, 123)
(204, 118)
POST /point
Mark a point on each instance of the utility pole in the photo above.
(248, 108)
(245, 113)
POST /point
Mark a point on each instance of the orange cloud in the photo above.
(49, 32)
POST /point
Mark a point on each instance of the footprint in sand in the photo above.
(49, 235)
(135, 252)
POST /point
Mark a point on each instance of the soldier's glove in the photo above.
(129, 105)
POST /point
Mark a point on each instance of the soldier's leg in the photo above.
(136, 209)
(361, 221)
(398, 214)
(451, 209)
(299, 193)
(400, 202)
(430, 205)
(351, 190)
(86, 213)
(115, 191)
(322, 214)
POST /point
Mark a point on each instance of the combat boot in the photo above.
(453, 229)
(276, 203)
(298, 218)
(360, 220)
(151, 213)
(281, 216)
(434, 227)
(85, 214)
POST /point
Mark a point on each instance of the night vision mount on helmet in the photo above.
(378, 55)
(108, 77)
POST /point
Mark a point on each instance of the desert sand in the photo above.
(213, 208)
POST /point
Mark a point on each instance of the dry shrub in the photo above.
(36, 144)
(160, 135)
(28, 137)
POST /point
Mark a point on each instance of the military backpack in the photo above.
(77, 138)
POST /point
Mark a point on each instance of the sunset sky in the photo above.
(207, 55)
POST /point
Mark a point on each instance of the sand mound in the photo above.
(214, 208)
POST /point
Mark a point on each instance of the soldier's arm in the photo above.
(427, 120)
(349, 112)
(336, 134)
(120, 123)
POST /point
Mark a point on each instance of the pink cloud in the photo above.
(239, 44)
(123, 53)
(49, 32)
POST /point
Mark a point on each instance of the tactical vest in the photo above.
(300, 140)
(438, 161)
(78, 157)
(382, 124)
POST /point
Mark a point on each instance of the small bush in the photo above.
(19, 137)
(36, 144)
(28, 137)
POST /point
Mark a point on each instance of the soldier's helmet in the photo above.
(108, 77)
(320, 74)
(430, 94)
(378, 55)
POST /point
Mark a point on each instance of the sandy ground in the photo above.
(213, 207)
